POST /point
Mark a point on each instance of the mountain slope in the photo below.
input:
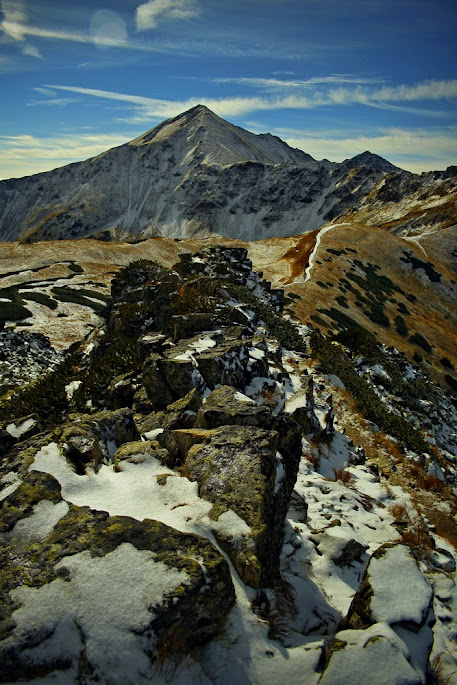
(194, 174)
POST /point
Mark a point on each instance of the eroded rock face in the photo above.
(239, 469)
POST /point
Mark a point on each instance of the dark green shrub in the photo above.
(41, 298)
(419, 339)
(135, 275)
(12, 311)
(334, 360)
(400, 326)
(67, 294)
(452, 382)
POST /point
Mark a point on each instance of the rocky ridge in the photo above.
(196, 452)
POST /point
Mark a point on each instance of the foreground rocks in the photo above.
(200, 498)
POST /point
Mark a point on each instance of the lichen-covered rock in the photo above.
(18, 430)
(121, 391)
(230, 364)
(93, 439)
(31, 490)
(65, 605)
(150, 343)
(187, 325)
(138, 452)
(183, 412)
(227, 406)
(178, 374)
(238, 468)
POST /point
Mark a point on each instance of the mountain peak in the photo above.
(201, 136)
(371, 160)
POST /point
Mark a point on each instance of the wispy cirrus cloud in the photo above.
(14, 18)
(149, 14)
(291, 84)
(146, 108)
(107, 29)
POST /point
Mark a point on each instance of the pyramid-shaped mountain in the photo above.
(192, 174)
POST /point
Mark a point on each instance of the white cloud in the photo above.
(32, 51)
(281, 84)
(25, 154)
(14, 18)
(149, 13)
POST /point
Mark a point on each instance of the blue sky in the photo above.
(332, 77)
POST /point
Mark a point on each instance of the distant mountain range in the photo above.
(198, 175)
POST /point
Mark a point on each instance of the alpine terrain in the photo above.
(197, 174)
(228, 416)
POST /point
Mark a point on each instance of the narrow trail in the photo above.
(416, 242)
(315, 249)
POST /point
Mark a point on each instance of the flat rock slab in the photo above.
(393, 590)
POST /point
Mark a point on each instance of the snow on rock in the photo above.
(394, 602)
(41, 523)
(92, 600)
(376, 656)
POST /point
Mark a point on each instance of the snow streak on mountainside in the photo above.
(195, 174)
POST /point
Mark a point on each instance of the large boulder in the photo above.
(240, 470)
(105, 599)
(385, 593)
(390, 614)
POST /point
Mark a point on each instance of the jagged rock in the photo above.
(185, 326)
(141, 402)
(227, 406)
(238, 468)
(93, 439)
(121, 391)
(183, 412)
(230, 364)
(158, 390)
(151, 343)
(6, 441)
(182, 592)
(179, 375)
(305, 415)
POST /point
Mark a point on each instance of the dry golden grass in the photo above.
(343, 476)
